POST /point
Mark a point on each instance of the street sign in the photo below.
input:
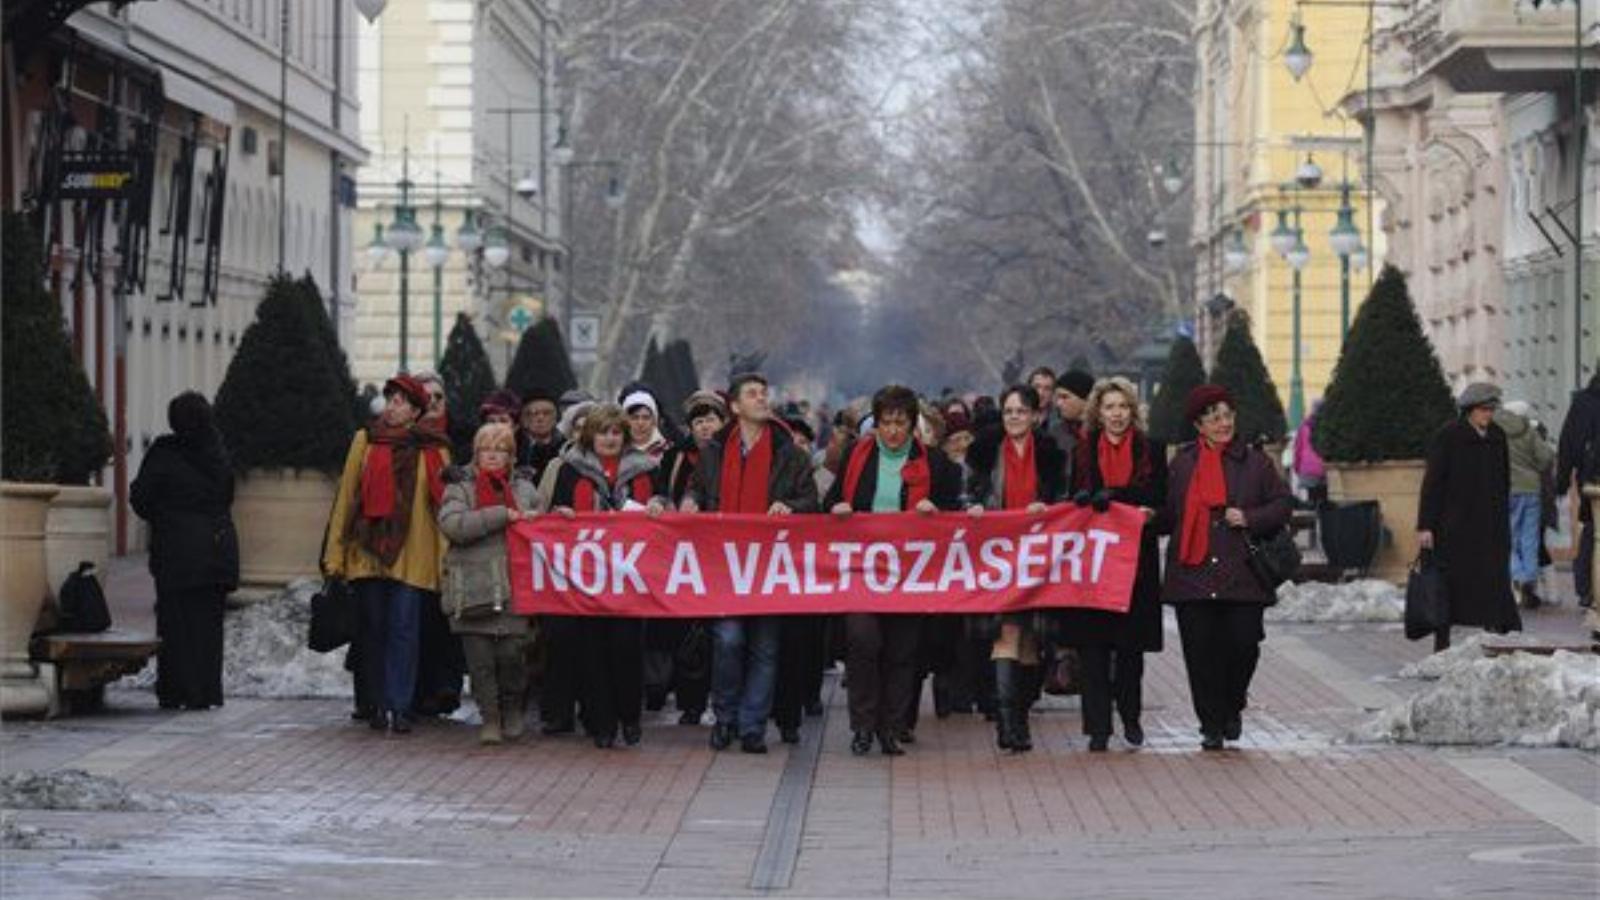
(585, 337)
(521, 319)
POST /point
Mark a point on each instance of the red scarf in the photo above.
(745, 476)
(1208, 490)
(1021, 474)
(388, 484)
(584, 498)
(1116, 460)
(915, 474)
(494, 489)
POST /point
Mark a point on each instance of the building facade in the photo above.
(1256, 127)
(458, 100)
(158, 284)
(1478, 162)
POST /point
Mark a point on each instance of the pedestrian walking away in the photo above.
(184, 489)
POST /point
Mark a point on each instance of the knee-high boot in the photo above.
(1007, 688)
(1022, 739)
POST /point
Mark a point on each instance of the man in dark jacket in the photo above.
(1065, 424)
(754, 468)
(888, 471)
(538, 442)
(1579, 456)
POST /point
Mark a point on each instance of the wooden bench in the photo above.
(85, 663)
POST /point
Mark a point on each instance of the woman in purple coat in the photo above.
(1221, 491)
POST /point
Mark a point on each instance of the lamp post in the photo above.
(403, 237)
(1345, 240)
(1298, 256)
(437, 254)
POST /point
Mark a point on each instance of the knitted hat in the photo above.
(503, 401)
(701, 402)
(1478, 393)
(1079, 382)
(636, 399)
(1203, 398)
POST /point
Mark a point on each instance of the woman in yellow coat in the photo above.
(384, 539)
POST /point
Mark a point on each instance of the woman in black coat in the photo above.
(1117, 457)
(184, 490)
(996, 457)
(1463, 516)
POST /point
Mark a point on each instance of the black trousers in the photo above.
(1110, 676)
(441, 661)
(189, 663)
(563, 653)
(613, 673)
(1583, 566)
(1221, 646)
(881, 663)
(802, 644)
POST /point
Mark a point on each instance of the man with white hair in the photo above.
(1531, 458)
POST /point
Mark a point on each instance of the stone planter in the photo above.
(1397, 486)
(78, 529)
(280, 517)
(24, 509)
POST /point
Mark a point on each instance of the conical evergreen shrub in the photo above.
(1184, 373)
(468, 378)
(1240, 369)
(54, 428)
(287, 401)
(685, 377)
(541, 365)
(1388, 395)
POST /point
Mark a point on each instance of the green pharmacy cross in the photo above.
(521, 319)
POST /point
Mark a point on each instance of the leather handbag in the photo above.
(333, 617)
(1273, 560)
(1427, 602)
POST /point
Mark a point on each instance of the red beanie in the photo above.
(1203, 398)
(413, 390)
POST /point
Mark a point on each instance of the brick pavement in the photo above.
(305, 802)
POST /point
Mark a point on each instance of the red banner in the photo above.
(713, 565)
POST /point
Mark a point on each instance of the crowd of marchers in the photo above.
(419, 539)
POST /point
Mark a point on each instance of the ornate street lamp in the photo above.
(1297, 57)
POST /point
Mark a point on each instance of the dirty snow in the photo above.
(1523, 699)
(264, 652)
(28, 837)
(1433, 667)
(79, 791)
(1367, 600)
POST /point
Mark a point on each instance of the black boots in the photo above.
(1011, 720)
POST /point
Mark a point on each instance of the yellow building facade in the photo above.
(1256, 128)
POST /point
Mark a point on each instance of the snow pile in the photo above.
(78, 791)
(1518, 698)
(1434, 667)
(27, 837)
(1368, 600)
(264, 651)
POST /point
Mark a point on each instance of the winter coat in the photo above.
(419, 559)
(985, 475)
(535, 457)
(1140, 629)
(1529, 454)
(1254, 487)
(185, 490)
(1308, 462)
(476, 562)
(560, 481)
(1465, 502)
(789, 481)
(1067, 436)
(944, 482)
(678, 467)
(1579, 450)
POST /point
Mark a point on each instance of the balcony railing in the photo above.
(1493, 45)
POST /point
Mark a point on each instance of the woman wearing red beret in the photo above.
(1221, 491)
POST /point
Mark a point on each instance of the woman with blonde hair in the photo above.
(482, 500)
(1117, 461)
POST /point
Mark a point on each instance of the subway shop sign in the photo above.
(99, 176)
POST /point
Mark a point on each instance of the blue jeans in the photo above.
(391, 613)
(1525, 529)
(744, 672)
